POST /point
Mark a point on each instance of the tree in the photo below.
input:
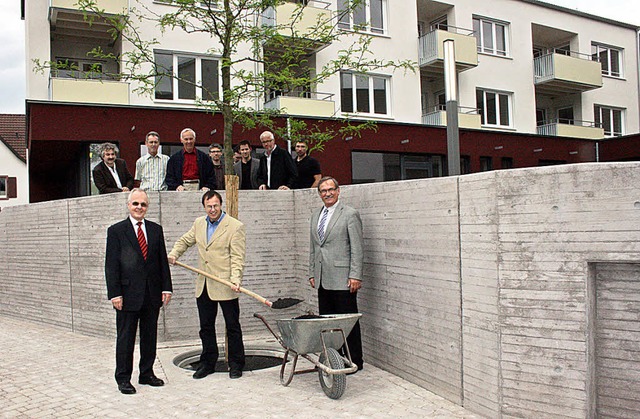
(264, 48)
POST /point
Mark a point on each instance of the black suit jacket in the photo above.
(126, 271)
(206, 171)
(283, 169)
(106, 183)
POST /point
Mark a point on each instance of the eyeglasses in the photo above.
(142, 204)
(266, 141)
(326, 191)
(215, 151)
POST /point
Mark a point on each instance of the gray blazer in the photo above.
(340, 255)
(255, 164)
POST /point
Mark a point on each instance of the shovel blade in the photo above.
(281, 303)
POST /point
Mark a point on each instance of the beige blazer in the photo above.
(223, 256)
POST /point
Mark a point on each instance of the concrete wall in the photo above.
(513, 293)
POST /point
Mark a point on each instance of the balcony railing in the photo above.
(567, 72)
(467, 117)
(431, 52)
(109, 6)
(302, 102)
(574, 128)
(286, 19)
(85, 90)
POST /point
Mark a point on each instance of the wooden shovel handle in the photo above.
(227, 283)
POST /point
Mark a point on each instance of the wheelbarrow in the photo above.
(308, 337)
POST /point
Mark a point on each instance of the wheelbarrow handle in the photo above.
(227, 283)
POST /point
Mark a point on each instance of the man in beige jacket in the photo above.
(220, 239)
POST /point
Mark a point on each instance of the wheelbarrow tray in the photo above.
(304, 335)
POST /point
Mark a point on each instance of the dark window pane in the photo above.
(477, 34)
(344, 21)
(617, 122)
(362, 94)
(164, 81)
(501, 40)
(504, 110)
(377, 25)
(480, 105)
(360, 15)
(487, 37)
(379, 95)
(210, 86)
(186, 78)
(615, 62)
(492, 115)
(346, 92)
(604, 61)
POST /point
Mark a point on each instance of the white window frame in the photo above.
(483, 111)
(354, 98)
(480, 37)
(198, 76)
(597, 48)
(600, 110)
(367, 27)
(215, 4)
(4, 194)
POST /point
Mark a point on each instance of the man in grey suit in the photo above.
(335, 259)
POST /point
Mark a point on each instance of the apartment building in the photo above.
(527, 73)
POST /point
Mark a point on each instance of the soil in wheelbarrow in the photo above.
(308, 316)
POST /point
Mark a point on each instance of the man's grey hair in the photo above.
(327, 178)
(137, 190)
(108, 146)
(152, 134)
(187, 130)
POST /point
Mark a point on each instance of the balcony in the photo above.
(302, 104)
(565, 74)
(571, 128)
(112, 7)
(467, 117)
(82, 90)
(293, 21)
(431, 51)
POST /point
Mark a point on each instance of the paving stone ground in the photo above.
(49, 372)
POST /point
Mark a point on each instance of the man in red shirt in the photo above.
(190, 169)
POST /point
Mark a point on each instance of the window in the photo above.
(486, 163)
(184, 77)
(565, 116)
(507, 163)
(362, 93)
(8, 187)
(494, 108)
(491, 36)
(214, 4)
(610, 59)
(368, 167)
(610, 119)
(368, 16)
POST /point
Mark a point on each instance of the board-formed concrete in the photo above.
(480, 288)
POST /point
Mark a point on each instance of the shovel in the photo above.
(280, 303)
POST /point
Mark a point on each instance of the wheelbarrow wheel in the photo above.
(333, 385)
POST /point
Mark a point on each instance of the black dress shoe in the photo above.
(203, 371)
(151, 380)
(126, 388)
(235, 373)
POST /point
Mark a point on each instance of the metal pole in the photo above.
(451, 95)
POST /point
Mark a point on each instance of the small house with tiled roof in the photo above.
(14, 175)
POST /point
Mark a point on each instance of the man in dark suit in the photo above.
(111, 174)
(277, 169)
(335, 259)
(247, 168)
(138, 284)
(190, 169)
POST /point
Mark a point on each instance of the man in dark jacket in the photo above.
(190, 169)
(277, 169)
(111, 174)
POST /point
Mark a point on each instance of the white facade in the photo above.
(12, 167)
(497, 87)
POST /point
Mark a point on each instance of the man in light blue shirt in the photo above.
(151, 169)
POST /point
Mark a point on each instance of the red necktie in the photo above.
(142, 241)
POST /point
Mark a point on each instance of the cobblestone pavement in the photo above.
(47, 372)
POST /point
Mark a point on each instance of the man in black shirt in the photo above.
(308, 168)
(247, 168)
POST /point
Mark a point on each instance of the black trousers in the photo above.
(343, 302)
(208, 310)
(127, 325)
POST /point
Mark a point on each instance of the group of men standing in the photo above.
(137, 265)
(190, 169)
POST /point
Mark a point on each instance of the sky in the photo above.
(12, 61)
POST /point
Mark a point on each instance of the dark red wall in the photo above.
(57, 133)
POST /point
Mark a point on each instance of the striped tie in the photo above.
(323, 221)
(142, 241)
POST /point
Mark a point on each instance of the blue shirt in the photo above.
(212, 226)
